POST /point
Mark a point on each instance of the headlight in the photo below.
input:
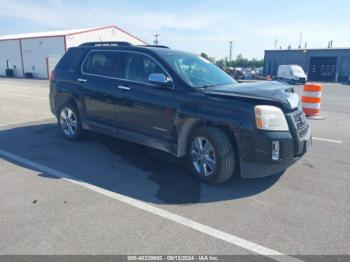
(270, 118)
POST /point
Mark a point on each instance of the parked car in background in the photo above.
(182, 104)
(292, 74)
(235, 72)
(249, 74)
(259, 71)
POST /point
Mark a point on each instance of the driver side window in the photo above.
(138, 67)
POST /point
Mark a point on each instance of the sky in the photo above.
(195, 26)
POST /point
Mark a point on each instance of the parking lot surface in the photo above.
(97, 196)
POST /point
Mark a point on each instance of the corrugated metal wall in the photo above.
(35, 52)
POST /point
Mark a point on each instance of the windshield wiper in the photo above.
(206, 86)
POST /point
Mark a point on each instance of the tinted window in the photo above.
(71, 60)
(138, 67)
(102, 63)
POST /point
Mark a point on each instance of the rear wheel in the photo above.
(69, 122)
(211, 155)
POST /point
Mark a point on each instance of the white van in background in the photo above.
(292, 74)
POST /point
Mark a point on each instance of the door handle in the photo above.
(82, 80)
(124, 88)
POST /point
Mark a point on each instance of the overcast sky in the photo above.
(196, 26)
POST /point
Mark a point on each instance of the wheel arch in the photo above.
(63, 99)
(191, 124)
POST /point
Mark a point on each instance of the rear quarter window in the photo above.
(71, 60)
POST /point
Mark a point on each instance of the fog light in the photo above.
(275, 150)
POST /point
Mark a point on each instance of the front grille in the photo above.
(301, 123)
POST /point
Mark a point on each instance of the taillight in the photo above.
(53, 75)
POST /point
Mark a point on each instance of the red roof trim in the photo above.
(90, 30)
(128, 34)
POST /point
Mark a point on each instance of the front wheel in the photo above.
(211, 155)
(69, 122)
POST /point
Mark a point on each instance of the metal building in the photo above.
(34, 54)
(328, 64)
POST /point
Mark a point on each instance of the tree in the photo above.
(204, 55)
(240, 61)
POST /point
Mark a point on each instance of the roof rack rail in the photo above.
(159, 46)
(110, 43)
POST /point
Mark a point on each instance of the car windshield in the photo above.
(297, 70)
(197, 71)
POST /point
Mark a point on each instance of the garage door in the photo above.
(322, 68)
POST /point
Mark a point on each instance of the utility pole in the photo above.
(230, 51)
(300, 39)
(156, 39)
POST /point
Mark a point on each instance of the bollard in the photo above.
(311, 100)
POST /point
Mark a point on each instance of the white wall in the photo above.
(36, 50)
(107, 34)
(10, 50)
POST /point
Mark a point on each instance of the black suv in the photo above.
(182, 104)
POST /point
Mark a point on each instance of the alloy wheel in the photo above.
(68, 122)
(203, 156)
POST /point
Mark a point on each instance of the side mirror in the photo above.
(159, 79)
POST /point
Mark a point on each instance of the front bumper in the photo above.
(257, 160)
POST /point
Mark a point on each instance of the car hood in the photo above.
(266, 90)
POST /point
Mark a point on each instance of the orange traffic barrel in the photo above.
(311, 99)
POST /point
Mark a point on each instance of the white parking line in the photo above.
(327, 140)
(218, 234)
(27, 96)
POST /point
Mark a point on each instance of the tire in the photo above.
(216, 163)
(69, 122)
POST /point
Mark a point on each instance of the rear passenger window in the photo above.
(102, 63)
(138, 67)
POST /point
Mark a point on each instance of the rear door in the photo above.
(99, 79)
(143, 107)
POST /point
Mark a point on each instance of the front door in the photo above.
(141, 106)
